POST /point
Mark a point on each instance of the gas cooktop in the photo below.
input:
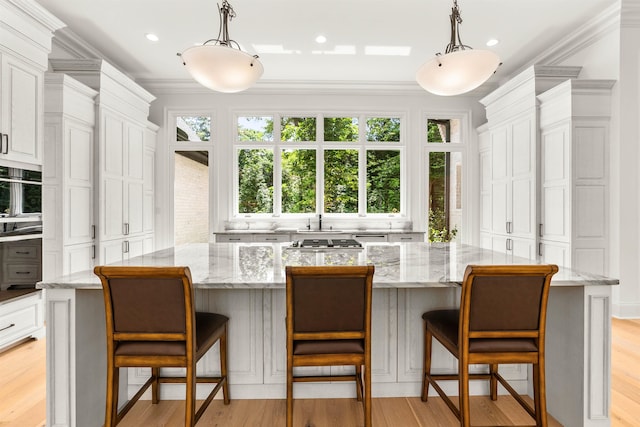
(327, 244)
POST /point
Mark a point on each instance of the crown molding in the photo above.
(188, 86)
(585, 35)
(630, 14)
(39, 13)
(79, 68)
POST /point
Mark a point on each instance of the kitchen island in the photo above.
(246, 281)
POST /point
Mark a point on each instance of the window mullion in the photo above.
(320, 164)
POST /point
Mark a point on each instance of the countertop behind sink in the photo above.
(289, 234)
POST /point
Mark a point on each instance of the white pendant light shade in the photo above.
(457, 72)
(222, 68)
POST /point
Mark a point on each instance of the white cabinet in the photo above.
(406, 237)
(509, 206)
(22, 95)
(21, 262)
(574, 174)
(25, 42)
(124, 155)
(68, 176)
(21, 316)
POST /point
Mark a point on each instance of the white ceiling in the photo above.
(117, 28)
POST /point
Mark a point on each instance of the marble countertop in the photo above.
(261, 265)
(323, 231)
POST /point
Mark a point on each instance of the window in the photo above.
(445, 166)
(315, 163)
(190, 155)
(193, 128)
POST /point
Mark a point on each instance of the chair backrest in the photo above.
(148, 303)
(334, 299)
(505, 301)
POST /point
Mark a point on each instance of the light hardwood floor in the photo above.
(22, 399)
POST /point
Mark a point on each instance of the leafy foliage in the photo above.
(255, 176)
(299, 186)
(341, 181)
(383, 181)
(298, 181)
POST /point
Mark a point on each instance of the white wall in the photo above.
(415, 106)
(612, 51)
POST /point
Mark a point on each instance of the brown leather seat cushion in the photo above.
(207, 326)
(444, 325)
(328, 347)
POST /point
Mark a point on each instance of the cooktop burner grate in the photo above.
(327, 243)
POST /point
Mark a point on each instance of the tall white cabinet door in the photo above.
(134, 180)
(112, 177)
(500, 177)
(555, 177)
(79, 184)
(22, 111)
(522, 153)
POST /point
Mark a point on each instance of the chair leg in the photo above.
(190, 399)
(289, 393)
(463, 387)
(367, 393)
(223, 366)
(493, 382)
(155, 395)
(539, 394)
(358, 383)
(426, 369)
(111, 410)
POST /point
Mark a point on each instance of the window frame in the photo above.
(320, 145)
(464, 147)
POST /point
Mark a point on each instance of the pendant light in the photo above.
(220, 64)
(461, 68)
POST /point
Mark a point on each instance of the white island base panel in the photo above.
(578, 351)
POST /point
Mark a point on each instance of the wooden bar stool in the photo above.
(329, 324)
(151, 322)
(501, 319)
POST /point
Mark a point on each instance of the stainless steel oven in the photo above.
(20, 202)
(20, 227)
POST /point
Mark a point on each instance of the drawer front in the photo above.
(22, 253)
(370, 237)
(20, 321)
(20, 273)
(232, 238)
(409, 237)
(271, 238)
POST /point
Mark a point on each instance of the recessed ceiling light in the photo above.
(321, 39)
(493, 42)
(152, 37)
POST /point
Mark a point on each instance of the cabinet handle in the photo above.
(93, 251)
(5, 143)
(506, 226)
(125, 247)
(270, 239)
(23, 272)
(509, 244)
(234, 239)
(23, 252)
(406, 238)
(125, 229)
(540, 249)
(7, 327)
(93, 231)
(540, 229)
